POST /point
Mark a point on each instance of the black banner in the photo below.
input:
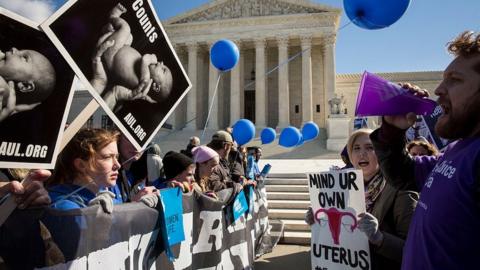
(130, 238)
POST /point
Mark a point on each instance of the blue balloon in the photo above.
(243, 131)
(290, 137)
(310, 131)
(268, 135)
(224, 54)
(375, 14)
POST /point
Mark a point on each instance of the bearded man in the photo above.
(444, 232)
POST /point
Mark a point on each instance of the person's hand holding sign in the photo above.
(368, 224)
(29, 193)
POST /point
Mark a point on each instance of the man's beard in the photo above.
(464, 124)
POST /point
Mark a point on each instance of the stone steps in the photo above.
(299, 238)
(287, 188)
(288, 195)
(296, 225)
(286, 181)
(287, 175)
(288, 200)
(288, 204)
(286, 213)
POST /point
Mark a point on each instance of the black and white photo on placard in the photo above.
(35, 94)
(121, 53)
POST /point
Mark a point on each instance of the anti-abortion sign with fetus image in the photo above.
(35, 94)
(337, 197)
(122, 54)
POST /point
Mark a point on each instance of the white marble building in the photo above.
(268, 33)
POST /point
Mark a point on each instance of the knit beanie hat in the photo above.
(203, 153)
(175, 163)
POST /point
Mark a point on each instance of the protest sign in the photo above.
(240, 205)
(425, 127)
(250, 198)
(337, 197)
(360, 122)
(123, 56)
(35, 94)
(171, 218)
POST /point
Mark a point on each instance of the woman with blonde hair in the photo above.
(389, 210)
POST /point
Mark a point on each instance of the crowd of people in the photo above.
(422, 205)
(102, 166)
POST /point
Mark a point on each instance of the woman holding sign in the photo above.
(389, 210)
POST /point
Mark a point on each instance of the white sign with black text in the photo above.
(337, 197)
(35, 94)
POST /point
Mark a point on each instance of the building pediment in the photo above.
(235, 9)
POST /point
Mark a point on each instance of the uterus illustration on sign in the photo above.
(334, 219)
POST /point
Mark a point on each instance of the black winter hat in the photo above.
(174, 163)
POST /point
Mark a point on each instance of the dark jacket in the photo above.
(393, 209)
(220, 177)
(235, 160)
(393, 158)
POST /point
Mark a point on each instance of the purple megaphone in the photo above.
(334, 221)
(378, 96)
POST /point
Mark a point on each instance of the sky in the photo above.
(416, 42)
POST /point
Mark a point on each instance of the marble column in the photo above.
(176, 115)
(283, 91)
(260, 91)
(307, 106)
(329, 71)
(192, 94)
(235, 89)
(212, 83)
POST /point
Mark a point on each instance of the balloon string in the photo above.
(358, 17)
(347, 24)
(211, 106)
(277, 67)
(136, 155)
(291, 58)
(63, 198)
(176, 131)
